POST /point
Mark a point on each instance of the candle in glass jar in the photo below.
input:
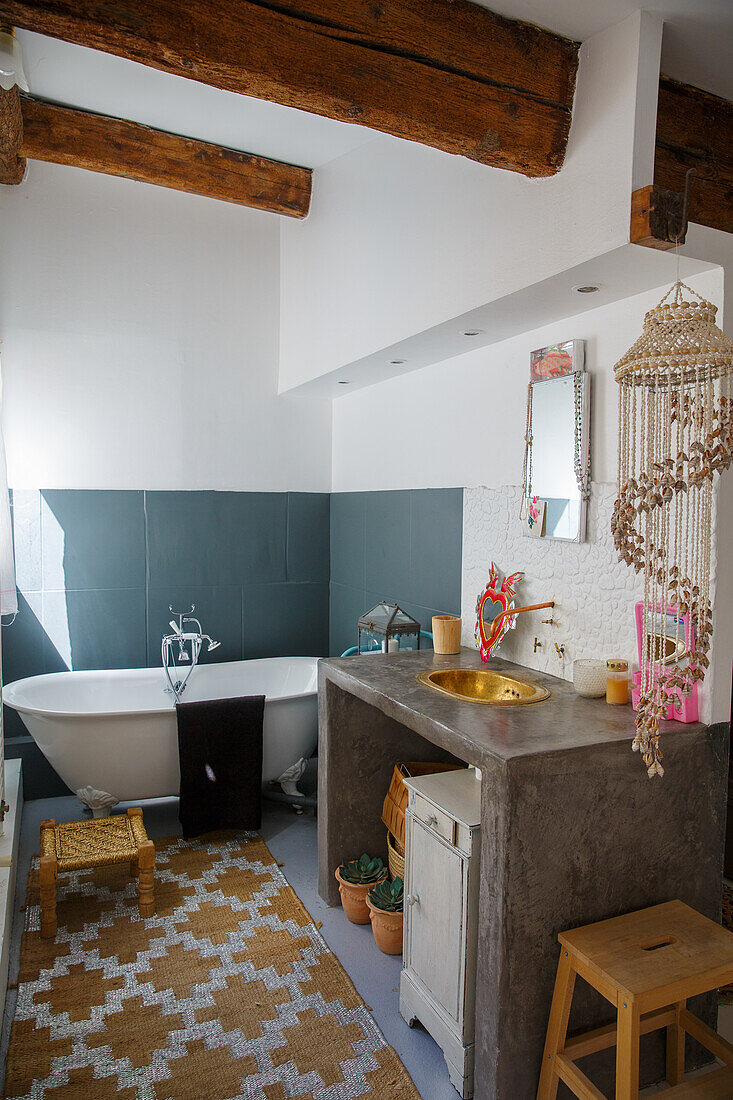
(617, 682)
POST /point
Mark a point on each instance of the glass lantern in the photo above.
(388, 629)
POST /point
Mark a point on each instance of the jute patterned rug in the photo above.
(228, 992)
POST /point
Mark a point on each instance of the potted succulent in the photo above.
(355, 879)
(386, 904)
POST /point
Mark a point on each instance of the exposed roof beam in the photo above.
(446, 73)
(12, 164)
(656, 217)
(65, 135)
(695, 130)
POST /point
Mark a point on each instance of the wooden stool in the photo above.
(82, 845)
(646, 964)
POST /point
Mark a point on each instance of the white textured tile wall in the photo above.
(594, 592)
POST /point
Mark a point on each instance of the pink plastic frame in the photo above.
(688, 710)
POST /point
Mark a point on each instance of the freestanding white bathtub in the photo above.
(116, 731)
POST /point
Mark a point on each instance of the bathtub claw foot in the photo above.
(289, 778)
(99, 802)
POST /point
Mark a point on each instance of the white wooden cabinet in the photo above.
(442, 853)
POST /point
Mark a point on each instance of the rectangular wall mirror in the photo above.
(557, 453)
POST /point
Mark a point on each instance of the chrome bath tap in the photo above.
(189, 643)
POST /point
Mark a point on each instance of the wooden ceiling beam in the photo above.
(446, 73)
(12, 163)
(656, 217)
(65, 135)
(694, 130)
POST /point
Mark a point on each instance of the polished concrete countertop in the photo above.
(564, 722)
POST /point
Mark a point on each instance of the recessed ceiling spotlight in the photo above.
(397, 362)
(473, 332)
(586, 288)
(344, 381)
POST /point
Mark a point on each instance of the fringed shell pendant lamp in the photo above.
(675, 433)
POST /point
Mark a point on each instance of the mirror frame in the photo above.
(585, 428)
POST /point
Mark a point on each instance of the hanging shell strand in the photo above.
(675, 434)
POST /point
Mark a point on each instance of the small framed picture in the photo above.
(535, 519)
(556, 360)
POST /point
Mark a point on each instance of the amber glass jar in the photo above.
(617, 682)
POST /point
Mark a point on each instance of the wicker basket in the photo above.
(395, 804)
(395, 857)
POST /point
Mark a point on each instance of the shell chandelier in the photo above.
(675, 433)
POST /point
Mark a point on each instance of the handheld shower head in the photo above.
(212, 645)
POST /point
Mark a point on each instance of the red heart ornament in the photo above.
(499, 625)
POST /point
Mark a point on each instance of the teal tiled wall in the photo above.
(404, 546)
(270, 573)
(97, 570)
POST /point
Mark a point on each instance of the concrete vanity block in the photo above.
(354, 773)
(572, 831)
(588, 836)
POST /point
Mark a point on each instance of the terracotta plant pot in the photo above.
(387, 929)
(353, 898)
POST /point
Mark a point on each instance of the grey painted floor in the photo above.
(292, 841)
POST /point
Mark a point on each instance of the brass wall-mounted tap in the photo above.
(537, 644)
(516, 611)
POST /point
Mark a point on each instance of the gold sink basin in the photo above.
(480, 685)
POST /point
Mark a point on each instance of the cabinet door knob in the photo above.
(432, 821)
(412, 899)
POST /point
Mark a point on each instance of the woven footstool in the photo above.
(83, 845)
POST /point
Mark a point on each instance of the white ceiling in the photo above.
(698, 43)
(619, 274)
(698, 34)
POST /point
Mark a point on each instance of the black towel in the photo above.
(220, 750)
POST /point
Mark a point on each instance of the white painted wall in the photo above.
(468, 413)
(647, 93)
(139, 331)
(402, 238)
